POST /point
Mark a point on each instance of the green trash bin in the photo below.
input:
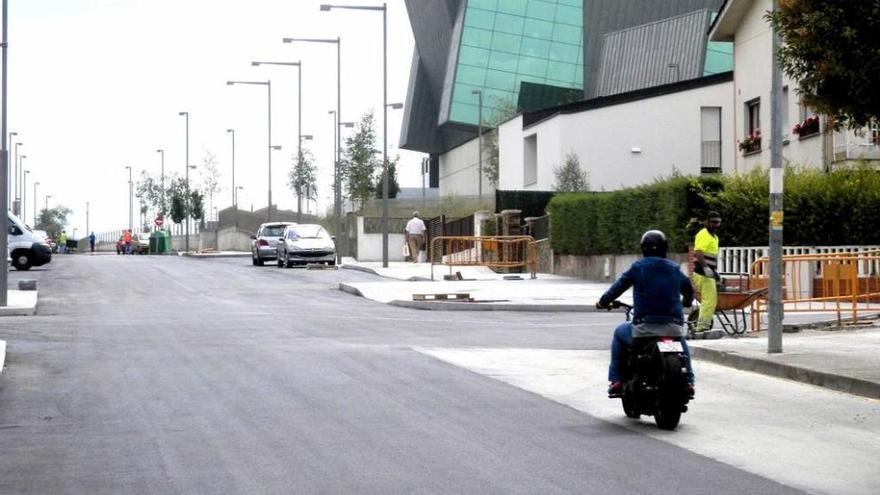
(160, 242)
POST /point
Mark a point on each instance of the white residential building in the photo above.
(743, 22)
(623, 140)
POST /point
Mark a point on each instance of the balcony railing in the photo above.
(710, 156)
(857, 145)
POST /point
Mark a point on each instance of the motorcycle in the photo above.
(655, 381)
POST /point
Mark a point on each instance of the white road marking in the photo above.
(800, 435)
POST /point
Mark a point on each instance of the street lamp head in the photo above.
(182, 113)
(347, 125)
(276, 147)
(160, 151)
(331, 112)
(477, 92)
(230, 130)
(325, 7)
(13, 134)
(192, 167)
(308, 137)
(255, 64)
(230, 83)
(395, 106)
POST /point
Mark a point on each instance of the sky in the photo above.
(97, 85)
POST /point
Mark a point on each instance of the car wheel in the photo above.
(287, 262)
(279, 260)
(257, 260)
(21, 261)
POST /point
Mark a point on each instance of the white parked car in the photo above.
(305, 244)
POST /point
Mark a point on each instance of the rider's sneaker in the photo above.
(615, 390)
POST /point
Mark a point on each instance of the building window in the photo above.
(530, 154)
(751, 142)
(710, 137)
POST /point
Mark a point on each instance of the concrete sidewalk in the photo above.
(488, 290)
(843, 360)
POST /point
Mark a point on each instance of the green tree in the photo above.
(360, 160)
(53, 220)
(197, 206)
(503, 110)
(832, 49)
(210, 178)
(302, 178)
(149, 193)
(393, 185)
(570, 177)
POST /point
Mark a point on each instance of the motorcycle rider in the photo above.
(657, 307)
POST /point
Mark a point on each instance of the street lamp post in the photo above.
(130, 200)
(298, 65)
(4, 153)
(19, 194)
(234, 201)
(35, 203)
(162, 179)
(186, 198)
(88, 232)
(337, 196)
(14, 177)
(24, 195)
(5, 148)
(479, 94)
(48, 196)
(268, 85)
(384, 10)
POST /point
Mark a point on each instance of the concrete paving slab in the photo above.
(20, 303)
(217, 254)
(843, 360)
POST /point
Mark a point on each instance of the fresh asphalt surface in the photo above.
(169, 375)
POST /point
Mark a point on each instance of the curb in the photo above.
(840, 383)
(364, 269)
(350, 290)
(214, 256)
(478, 306)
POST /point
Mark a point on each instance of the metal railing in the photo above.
(857, 145)
(710, 155)
(739, 260)
(500, 253)
(836, 282)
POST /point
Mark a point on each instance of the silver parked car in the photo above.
(263, 245)
(304, 244)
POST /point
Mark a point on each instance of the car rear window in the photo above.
(273, 231)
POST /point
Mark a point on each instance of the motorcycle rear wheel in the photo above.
(672, 389)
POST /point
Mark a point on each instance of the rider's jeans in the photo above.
(620, 346)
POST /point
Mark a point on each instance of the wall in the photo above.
(369, 246)
(178, 242)
(458, 171)
(752, 79)
(665, 128)
(602, 268)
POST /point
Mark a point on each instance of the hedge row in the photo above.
(839, 208)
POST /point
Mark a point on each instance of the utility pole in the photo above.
(776, 313)
(4, 153)
(479, 94)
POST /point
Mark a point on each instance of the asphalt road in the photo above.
(167, 375)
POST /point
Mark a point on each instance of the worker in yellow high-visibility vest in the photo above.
(706, 275)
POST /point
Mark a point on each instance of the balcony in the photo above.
(857, 145)
(710, 157)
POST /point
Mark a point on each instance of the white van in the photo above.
(25, 248)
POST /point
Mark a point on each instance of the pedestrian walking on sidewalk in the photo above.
(706, 278)
(415, 236)
(92, 240)
(62, 242)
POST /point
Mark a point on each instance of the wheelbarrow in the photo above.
(730, 301)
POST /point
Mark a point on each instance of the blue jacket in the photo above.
(657, 283)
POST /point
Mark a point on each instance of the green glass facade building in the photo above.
(505, 43)
(525, 55)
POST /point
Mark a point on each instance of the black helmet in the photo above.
(654, 244)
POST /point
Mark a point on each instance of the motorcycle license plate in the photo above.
(670, 346)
